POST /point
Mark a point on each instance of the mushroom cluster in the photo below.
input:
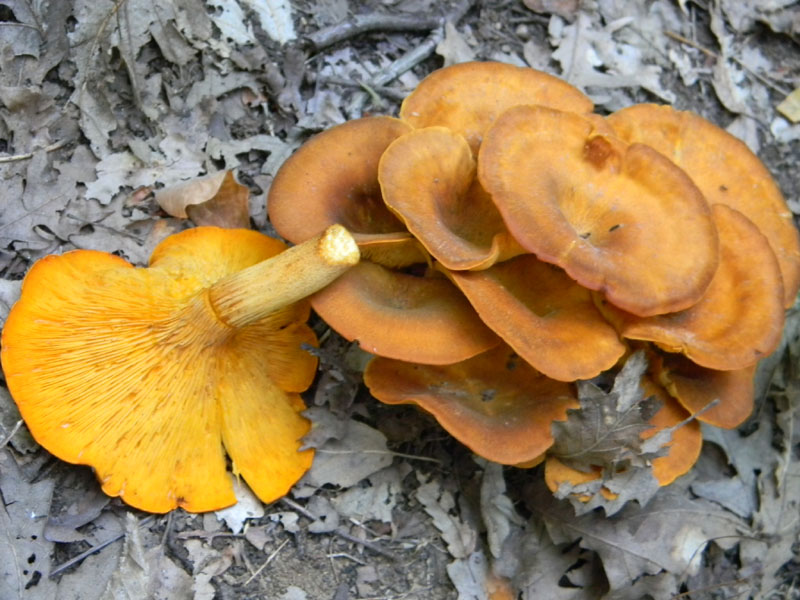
(152, 375)
(515, 242)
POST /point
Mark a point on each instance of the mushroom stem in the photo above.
(252, 294)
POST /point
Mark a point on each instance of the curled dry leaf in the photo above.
(216, 199)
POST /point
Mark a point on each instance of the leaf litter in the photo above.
(138, 96)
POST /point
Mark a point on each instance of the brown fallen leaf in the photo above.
(790, 107)
(566, 9)
(216, 199)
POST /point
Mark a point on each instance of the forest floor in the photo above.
(103, 102)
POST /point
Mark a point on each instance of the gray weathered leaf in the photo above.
(497, 510)
(360, 452)
(669, 534)
(461, 538)
(247, 506)
(24, 551)
(606, 430)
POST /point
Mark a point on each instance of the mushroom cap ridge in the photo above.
(618, 218)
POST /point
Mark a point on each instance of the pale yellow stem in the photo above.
(252, 294)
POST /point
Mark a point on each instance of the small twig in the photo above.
(26, 156)
(765, 80)
(26, 25)
(76, 559)
(374, 547)
(387, 92)
(12, 434)
(367, 23)
(270, 558)
(684, 40)
(389, 452)
(346, 536)
(346, 555)
(410, 59)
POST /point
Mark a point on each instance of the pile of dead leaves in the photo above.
(104, 102)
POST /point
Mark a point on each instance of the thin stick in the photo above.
(12, 434)
(76, 559)
(270, 558)
(389, 452)
(683, 40)
(367, 23)
(27, 155)
(346, 536)
(408, 60)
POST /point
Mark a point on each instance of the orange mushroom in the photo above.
(495, 403)
(333, 178)
(556, 473)
(428, 180)
(468, 97)
(402, 316)
(720, 398)
(391, 303)
(545, 316)
(150, 375)
(724, 169)
(687, 439)
(738, 320)
(618, 218)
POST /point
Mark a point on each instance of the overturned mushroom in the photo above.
(617, 218)
(151, 375)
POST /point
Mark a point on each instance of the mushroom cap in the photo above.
(495, 403)
(428, 179)
(687, 440)
(545, 316)
(402, 316)
(696, 387)
(129, 370)
(333, 178)
(468, 97)
(618, 218)
(738, 320)
(556, 473)
(724, 169)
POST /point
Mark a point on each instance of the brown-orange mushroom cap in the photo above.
(333, 178)
(151, 375)
(618, 218)
(428, 179)
(468, 97)
(389, 303)
(495, 403)
(724, 169)
(404, 317)
(738, 320)
(720, 398)
(545, 316)
(686, 441)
